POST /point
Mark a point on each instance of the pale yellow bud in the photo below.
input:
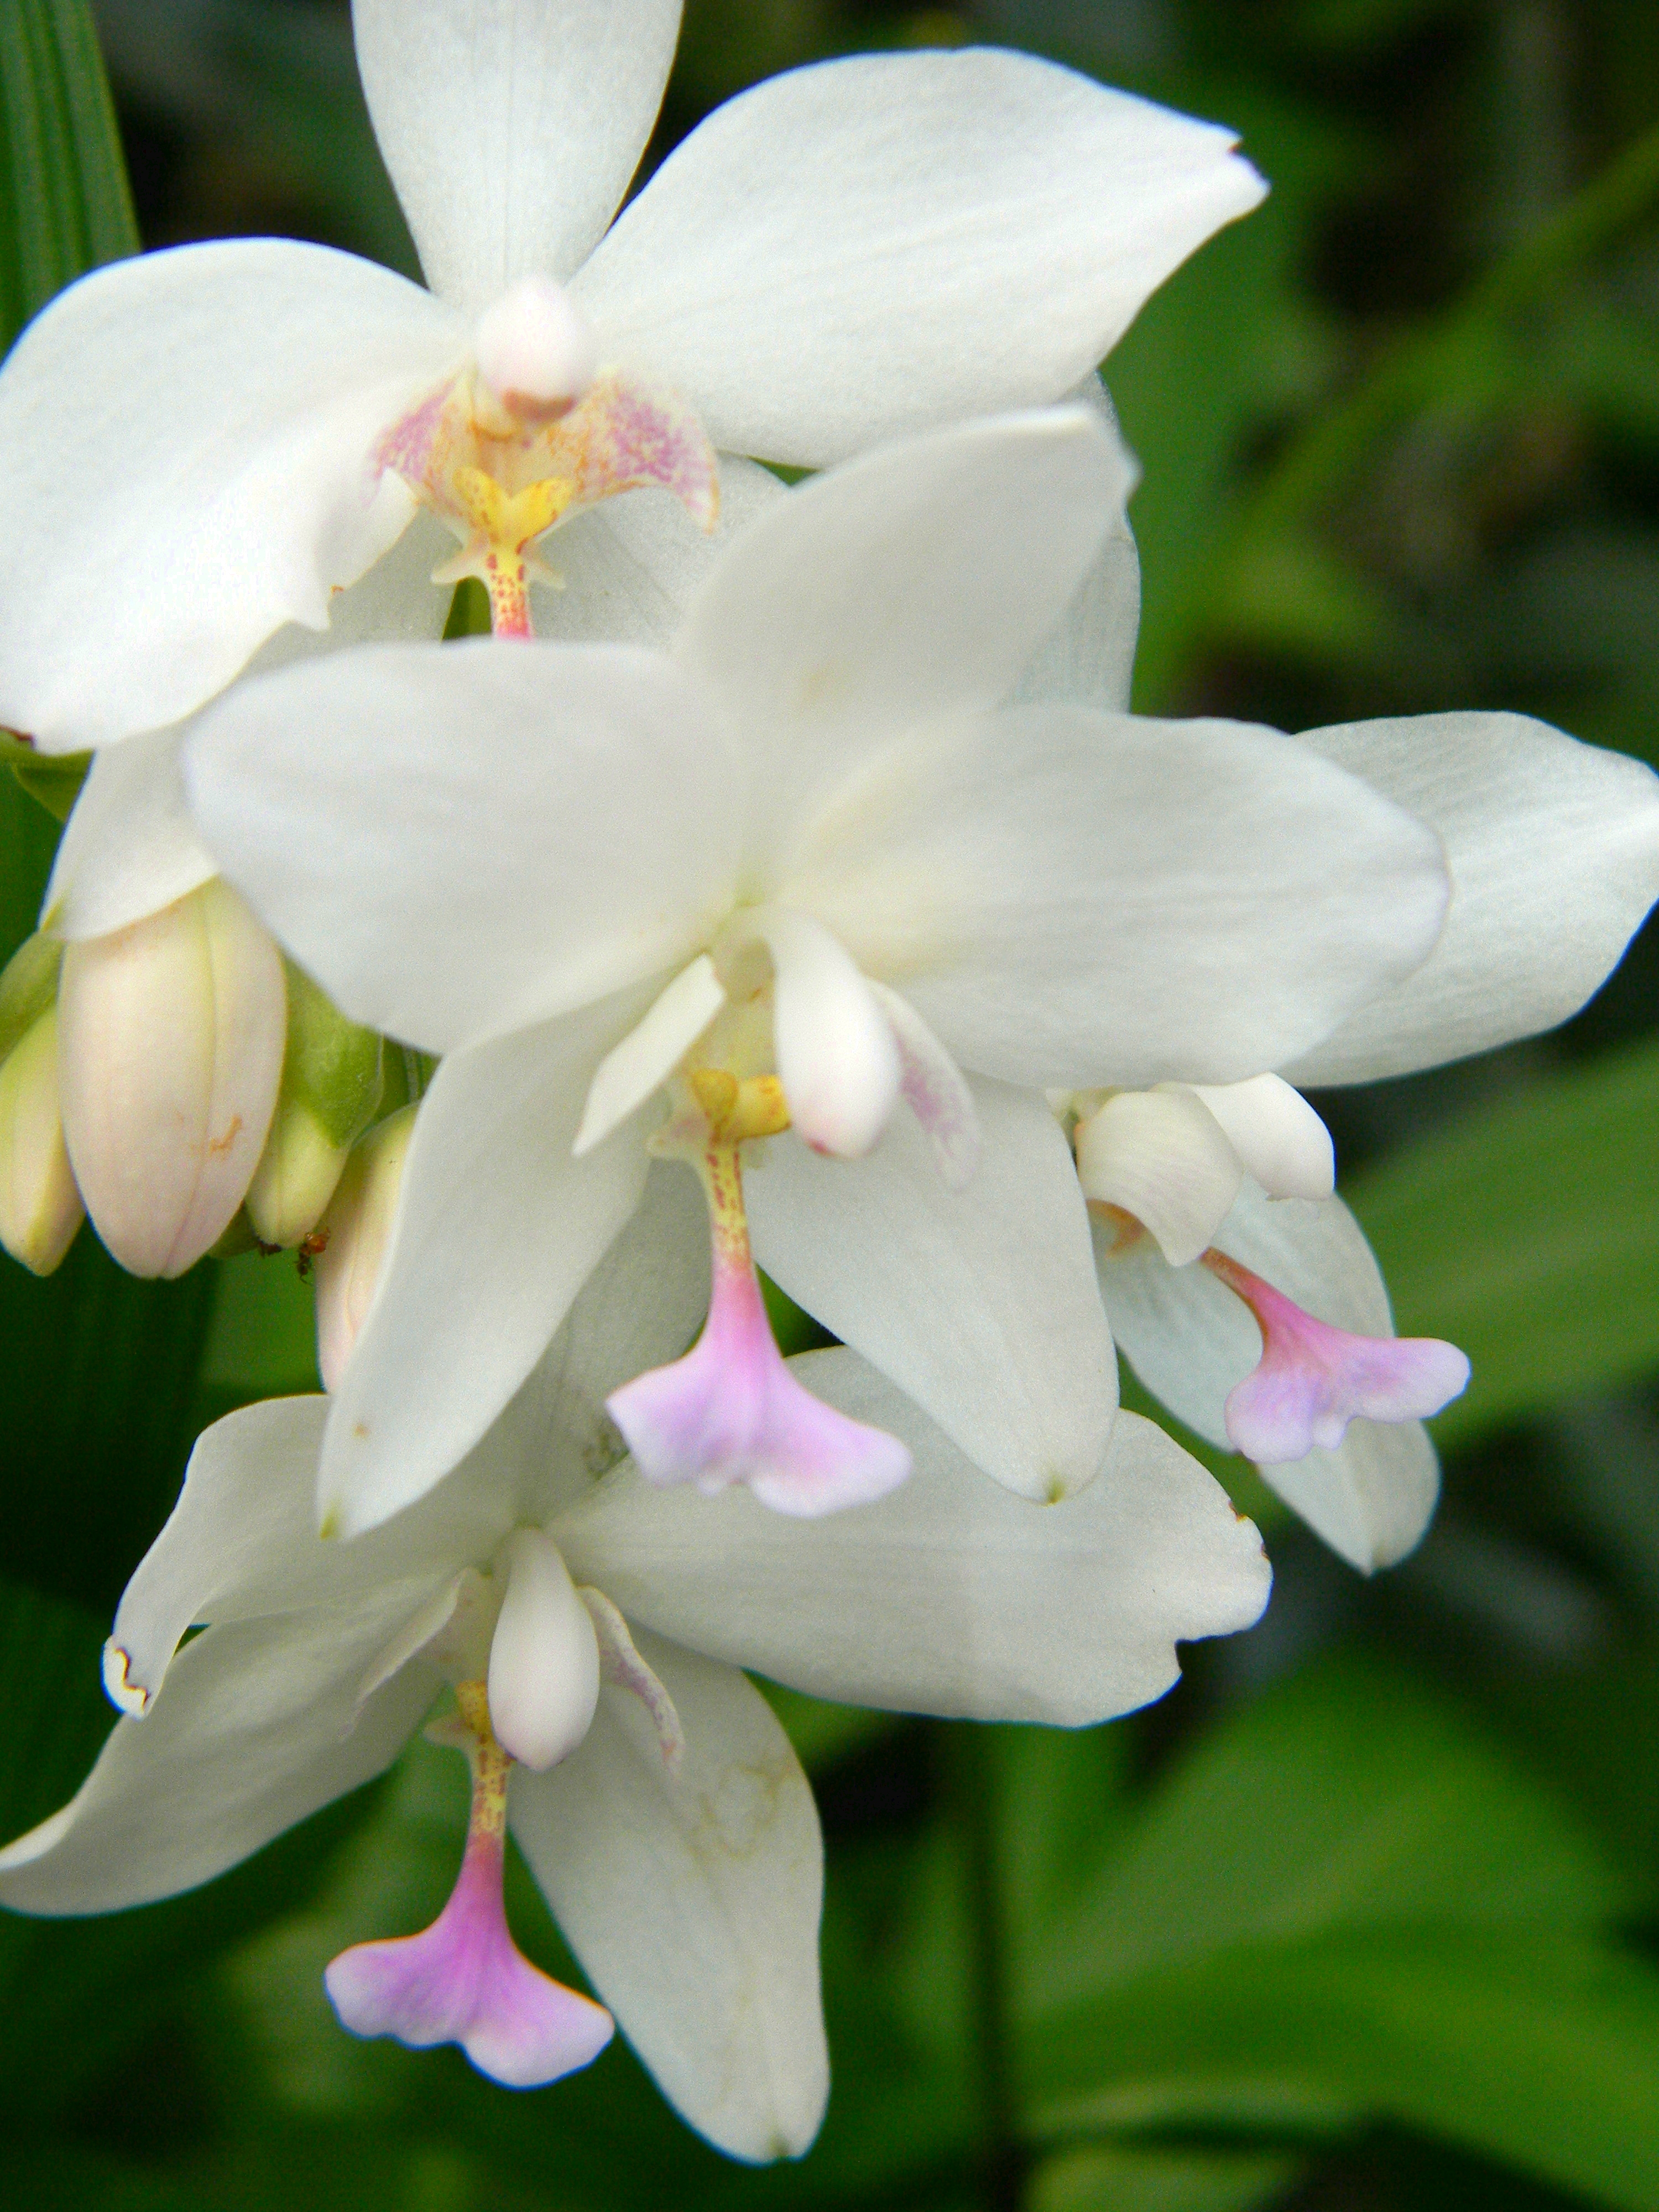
(40, 1208)
(330, 1088)
(353, 1236)
(170, 1054)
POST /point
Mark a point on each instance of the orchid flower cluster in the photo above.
(782, 885)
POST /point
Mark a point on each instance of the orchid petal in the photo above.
(1190, 1341)
(1279, 1138)
(1024, 1380)
(1089, 661)
(497, 1229)
(1072, 900)
(935, 1090)
(1554, 854)
(916, 581)
(591, 771)
(852, 252)
(1160, 1157)
(648, 1055)
(950, 1596)
(129, 848)
(511, 127)
(838, 1060)
(211, 410)
(691, 1895)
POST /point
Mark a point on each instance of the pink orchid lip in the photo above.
(1313, 1379)
(731, 1412)
(464, 1979)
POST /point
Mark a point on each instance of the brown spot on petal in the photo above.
(222, 1145)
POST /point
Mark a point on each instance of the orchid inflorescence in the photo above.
(784, 885)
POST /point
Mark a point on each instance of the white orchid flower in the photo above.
(592, 1629)
(203, 444)
(799, 870)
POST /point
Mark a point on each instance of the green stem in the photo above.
(972, 1780)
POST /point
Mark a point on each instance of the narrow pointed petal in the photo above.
(129, 848)
(950, 1596)
(1227, 896)
(1089, 661)
(852, 252)
(1158, 1155)
(838, 1059)
(1279, 1138)
(545, 1660)
(171, 1045)
(1025, 1379)
(511, 127)
(593, 770)
(648, 1055)
(691, 1895)
(1313, 1380)
(1190, 1341)
(189, 434)
(935, 1090)
(1554, 854)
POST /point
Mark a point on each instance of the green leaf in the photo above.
(64, 207)
(1121, 2177)
(1528, 1233)
(262, 1340)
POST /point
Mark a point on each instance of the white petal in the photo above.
(838, 1060)
(544, 1657)
(648, 1055)
(1554, 854)
(1161, 1156)
(691, 1896)
(935, 1090)
(497, 1229)
(1190, 1341)
(129, 848)
(1074, 899)
(980, 1304)
(511, 127)
(915, 582)
(461, 840)
(1279, 1138)
(189, 436)
(171, 1039)
(258, 1724)
(948, 1596)
(854, 252)
(1088, 661)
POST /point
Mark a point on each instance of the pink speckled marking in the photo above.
(1313, 1380)
(731, 1412)
(464, 1979)
(625, 435)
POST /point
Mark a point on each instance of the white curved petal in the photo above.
(543, 1681)
(838, 1060)
(691, 1894)
(653, 1049)
(459, 840)
(189, 436)
(1159, 1156)
(257, 1725)
(1075, 900)
(629, 568)
(497, 1229)
(853, 252)
(1554, 854)
(935, 1090)
(981, 1303)
(1089, 661)
(949, 1596)
(1279, 1138)
(171, 1039)
(1190, 1341)
(913, 582)
(129, 848)
(511, 127)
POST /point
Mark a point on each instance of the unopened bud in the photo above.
(536, 350)
(170, 1054)
(352, 1238)
(40, 1208)
(330, 1088)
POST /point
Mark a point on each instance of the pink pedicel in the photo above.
(731, 1412)
(1313, 1379)
(464, 1979)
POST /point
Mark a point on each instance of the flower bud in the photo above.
(330, 1087)
(170, 1052)
(40, 1208)
(352, 1238)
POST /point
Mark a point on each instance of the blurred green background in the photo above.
(1366, 1914)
